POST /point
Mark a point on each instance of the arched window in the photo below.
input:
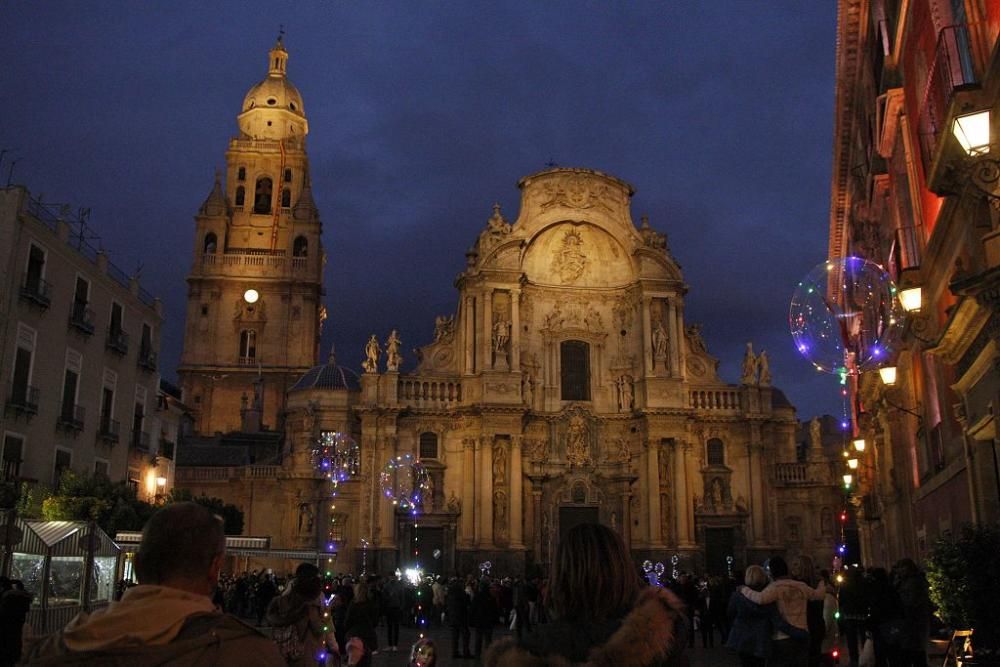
(288, 172)
(574, 362)
(716, 452)
(241, 195)
(248, 345)
(428, 445)
(262, 196)
(286, 198)
(241, 174)
(211, 243)
(301, 247)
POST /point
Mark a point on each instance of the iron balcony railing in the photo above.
(140, 441)
(117, 340)
(23, 399)
(37, 291)
(81, 318)
(71, 416)
(166, 448)
(147, 359)
(109, 430)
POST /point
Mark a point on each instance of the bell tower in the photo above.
(254, 308)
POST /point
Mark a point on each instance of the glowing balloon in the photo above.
(844, 315)
(404, 481)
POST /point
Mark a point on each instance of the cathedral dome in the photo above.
(273, 108)
(328, 376)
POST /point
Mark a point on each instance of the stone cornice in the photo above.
(965, 323)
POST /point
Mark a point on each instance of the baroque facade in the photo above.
(565, 387)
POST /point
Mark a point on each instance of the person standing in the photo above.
(911, 586)
(790, 641)
(438, 592)
(831, 638)
(457, 603)
(362, 617)
(750, 623)
(393, 605)
(296, 619)
(483, 616)
(14, 605)
(853, 603)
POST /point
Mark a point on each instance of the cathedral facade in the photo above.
(565, 387)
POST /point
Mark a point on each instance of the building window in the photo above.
(101, 469)
(69, 410)
(22, 394)
(35, 270)
(716, 452)
(286, 198)
(140, 440)
(241, 174)
(248, 345)
(288, 176)
(262, 196)
(241, 195)
(574, 363)
(428, 445)
(107, 409)
(13, 449)
(211, 243)
(63, 461)
(301, 247)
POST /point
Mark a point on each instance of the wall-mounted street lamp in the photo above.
(888, 375)
(973, 132)
(911, 299)
(848, 480)
(859, 445)
(852, 464)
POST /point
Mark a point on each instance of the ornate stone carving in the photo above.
(497, 230)
(763, 370)
(444, 328)
(592, 319)
(660, 341)
(372, 351)
(578, 441)
(625, 392)
(499, 464)
(537, 449)
(576, 191)
(501, 336)
(393, 356)
(749, 366)
(697, 340)
(454, 503)
(554, 318)
(500, 515)
(652, 238)
(527, 388)
(570, 261)
(250, 312)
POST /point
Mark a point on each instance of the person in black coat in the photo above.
(457, 611)
(483, 616)
(750, 623)
(14, 606)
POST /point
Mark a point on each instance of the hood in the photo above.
(148, 615)
(647, 635)
(287, 609)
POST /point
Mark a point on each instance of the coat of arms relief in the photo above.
(570, 261)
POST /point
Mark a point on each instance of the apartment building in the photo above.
(79, 340)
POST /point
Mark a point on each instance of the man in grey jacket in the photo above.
(169, 618)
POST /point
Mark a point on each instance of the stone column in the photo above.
(653, 493)
(484, 518)
(627, 517)
(387, 514)
(675, 342)
(515, 330)
(536, 519)
(682, 498)
(487, 329)
(468, 491)
(516, 491)
(647, 338)
(760, 508)
(470, 335)
(681, 343)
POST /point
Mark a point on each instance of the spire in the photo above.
(332, 359)
(305, 206)
(278, 56)
(215, 203)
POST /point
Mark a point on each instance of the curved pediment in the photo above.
(577, 254)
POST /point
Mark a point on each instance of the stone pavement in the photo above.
(699, 657)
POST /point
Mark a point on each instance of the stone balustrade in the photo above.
(723, 398)
(429, 392)
(188, 474)
(236, 263)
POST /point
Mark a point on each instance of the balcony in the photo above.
(36, 291)
(166, 449)
(425, 392)
(71, 417)
(140, 441)
(117, 341)
(721, 399)
(147, 360)
(250, 361)
(810, 473)
(23, 400)
(108, 431)
(81, 318)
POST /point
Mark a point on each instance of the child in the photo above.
(423, 654)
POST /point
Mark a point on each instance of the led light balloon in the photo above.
(844, 316)
(404, 481)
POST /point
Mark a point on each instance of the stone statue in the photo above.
(741, 504)
(444, 328)
(499, 465)
(815, 435)
(538, 449)
(717, 493)
(626, 397)
(624, 451)
(454, 503)
(697, 340)
(749, 366)
(372, 351)
(393, 356)
(659, 340)
(764, 370)
(305, 518)
(577, 451)
(428, 494)
(527, 388)
(499, 513)
(501, 334)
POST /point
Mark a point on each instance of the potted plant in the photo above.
(964, 577)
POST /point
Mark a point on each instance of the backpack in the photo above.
(288, 641)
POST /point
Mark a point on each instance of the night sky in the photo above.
(422, 114)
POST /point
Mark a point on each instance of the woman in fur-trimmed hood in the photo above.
(604, 616)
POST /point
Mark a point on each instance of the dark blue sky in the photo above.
(423, 113)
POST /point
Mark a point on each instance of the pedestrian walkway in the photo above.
(699, 657)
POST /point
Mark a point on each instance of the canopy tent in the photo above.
(237, 546)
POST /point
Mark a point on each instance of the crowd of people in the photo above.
(596, 608)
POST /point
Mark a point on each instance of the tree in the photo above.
(113, 505)
(232, 516)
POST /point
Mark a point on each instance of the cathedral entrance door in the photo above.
(719, 543)
(573, 515)
(430, 540)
